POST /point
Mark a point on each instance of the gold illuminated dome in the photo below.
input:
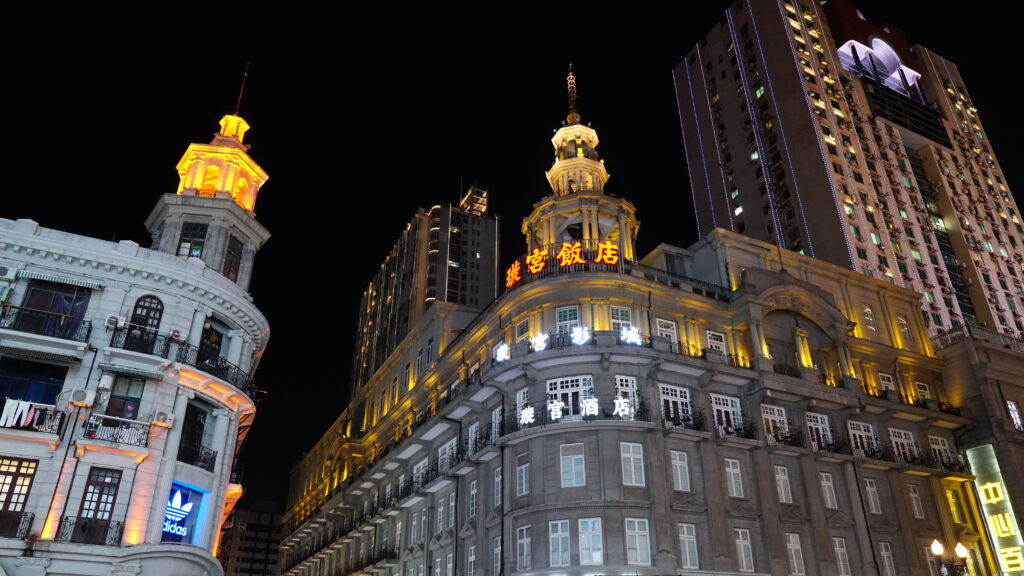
(222, 168)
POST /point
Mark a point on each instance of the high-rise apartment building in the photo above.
(126, 378)
(611, 414)
(809, 127)
(249, 539)
(446, 254)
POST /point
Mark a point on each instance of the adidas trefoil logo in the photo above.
(176, 511)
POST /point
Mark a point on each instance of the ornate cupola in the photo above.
(578, 210)
(211, 216)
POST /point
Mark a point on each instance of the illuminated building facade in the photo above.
(696, 411)
(865, 151)
(249, 540)
(126, 379)
(446, 254)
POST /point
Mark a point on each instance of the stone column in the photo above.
(198, 320)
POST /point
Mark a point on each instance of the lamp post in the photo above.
(951, 569)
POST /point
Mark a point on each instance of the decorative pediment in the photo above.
(791, 513)
(837, 517)
(884, 523)
(743, 509)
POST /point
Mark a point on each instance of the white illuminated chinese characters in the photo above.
(589, 406)
(526, 416)
(622, 408)
(540, 342)
(501, 353)
(580, 335)
(630, 335)
(555, 409)
(1000, 522)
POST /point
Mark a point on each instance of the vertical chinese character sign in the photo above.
(997, 510)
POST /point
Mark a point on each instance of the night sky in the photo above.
(361, 119)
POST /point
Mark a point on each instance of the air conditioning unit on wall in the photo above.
(8, 273)
(82, 397)
(163, 419)
(114, 321)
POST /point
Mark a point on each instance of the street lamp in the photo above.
(951, 569)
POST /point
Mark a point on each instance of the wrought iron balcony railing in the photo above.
(541, 413)
(143, 340)
(216, 366)
(114, 429)
(786, 436)
(44, 323)
(89, 531)
(15, 524)
(832, 444)
(35, 417)
(200, 456)
(692, 420)
(744, 429)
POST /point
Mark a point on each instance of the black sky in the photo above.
(360, 119)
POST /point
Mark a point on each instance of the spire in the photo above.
(574, 116)
(241, 89)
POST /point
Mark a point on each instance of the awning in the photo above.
(31, 354)
(130, 371)
(59, 279)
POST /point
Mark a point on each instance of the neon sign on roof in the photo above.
(569, 254)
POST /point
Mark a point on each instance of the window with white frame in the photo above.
(956, 508)
(931, 562)
(869, 318)
(437, 565)
(782, 484)
(497, 486)
(621, 318)
(522, 402)
(733, 478)
(558, 543)
(904, 328)
(916, 503)
(474, 494)
(940, 449)
(417, 473)
(871, 494)
(795, 553)
(496, 555)
(472, 437)
(862, 436)
(716, 340)
(924, 392)
(414, 527)
(828, 490)
(574, 396)
(886, 559)
(842, 558)
(566, 318)
(726, 411)
(496, 417)
(591, 542)
(522, 474)
(1013, 411)
(446, 455)
(471, 560)
(571, 461)
(667, 329)
(904, 444)
(675, 403)
(449, 565)
(632, 455)
(440, 513)
(775, 424)
(886, 381)
(680, 471)
(523, 548)
(818, 431)
(625, 391)
(744, 550)
(451, 509)
(424, 524)
(638, 542)
(688, 546)
(523, 330)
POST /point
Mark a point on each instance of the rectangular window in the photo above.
(440, 514)
(916, 504)
(522, 474)
(497, 486)
(675, 404)
(558, 542)
(1014, 412)
(632, 456)
(417, 473)
(638, 542)
(716, 340)
(734, 479)
(97, 506)
(818, 431)
(626, 399)
(192, 240)
(871, 493)
(16, 477)
(667, 329)
(862, 437)
(688, 546)
(446, 455)
(680, 471)
(574, 397)
(923, 391)
(473, 494)
(744, 550)
(886, 381)
(523, 548)
(775, 425)
(885, 558)
(828, 490)
(232, 259)
(796, 555)
(956, 509)
(782, 485)
(842, 558)
(621, 318)
(449, 565)
(496, 555)
(571, 461)
(904, 444)
(471, 560)
(726, 412)
(472, 438)
(931, 562)
(523, 330)
(566, 318)
(451, 509)
(591, 542)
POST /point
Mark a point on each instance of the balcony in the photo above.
(89, 531)
(15, 524)
(542, 413)
(119, 430)
(783, 436)
(216, 366)
(44, 323)
(199, 456)
(693, 420)
(33, 417)
(829, 449)
(142, 340)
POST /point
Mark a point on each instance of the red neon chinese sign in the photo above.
(569, 254)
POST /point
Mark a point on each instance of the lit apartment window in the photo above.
(734, 478)
(558, 542)
(566, 318)
(1014, 412)
(680, 471)
(869, 318)
(621, 318)
(796, 555)
(638, 542)
(688, 546)
(632, 456)
(522, 330)
(591, 542)
(667, 329)
(744, 550)
(192, 240)
(572, 465)
(716, 340)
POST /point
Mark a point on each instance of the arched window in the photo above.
(142, 329)
(869, 318)
(904, 329)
